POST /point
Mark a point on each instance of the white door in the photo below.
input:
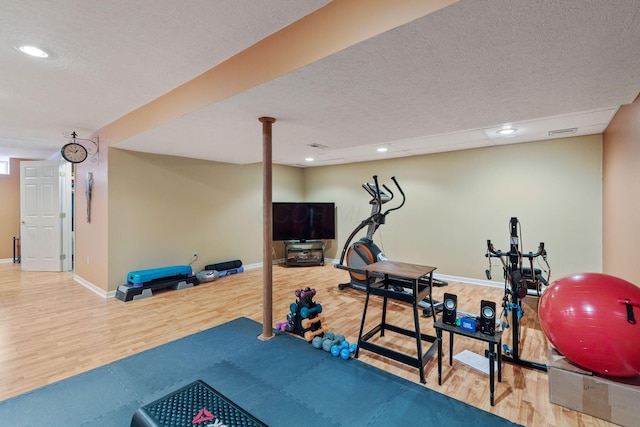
(40, 211)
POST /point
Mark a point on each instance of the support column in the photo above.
(267, 233)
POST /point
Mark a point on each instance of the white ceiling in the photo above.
(443, 82)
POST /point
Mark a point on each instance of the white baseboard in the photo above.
(252, 266)
(111, 294)
(93, 288)
(6, 261)
(447, 278)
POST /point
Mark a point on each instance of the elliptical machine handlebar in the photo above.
(404, 198)
(378, 195)
(376, 218)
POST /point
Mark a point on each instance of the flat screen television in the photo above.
(304, 221)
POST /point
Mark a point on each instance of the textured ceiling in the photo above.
(446, 81)
(111, 57)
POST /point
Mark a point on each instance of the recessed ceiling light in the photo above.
(33, 51)
(382, 149)
(308, 159)
(507, 131)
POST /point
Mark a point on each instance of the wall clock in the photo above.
(74, 152)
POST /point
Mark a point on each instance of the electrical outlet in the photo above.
(495, 261)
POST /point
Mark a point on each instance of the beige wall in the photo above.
(91, 243)
(156, 210)
(164, 208)
(340, 25)
(621, 212)
(9, 209)
(458, 200)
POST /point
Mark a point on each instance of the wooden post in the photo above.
(267, 233)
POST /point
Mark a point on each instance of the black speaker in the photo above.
(487, 317)
(449, 306)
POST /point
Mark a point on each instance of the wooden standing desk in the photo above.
(417, 281)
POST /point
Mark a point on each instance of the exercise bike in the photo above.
(364, 251)
(519, 281)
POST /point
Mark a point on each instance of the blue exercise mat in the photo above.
(281, 382)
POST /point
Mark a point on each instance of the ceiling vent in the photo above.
(562, 132)
(320, 146)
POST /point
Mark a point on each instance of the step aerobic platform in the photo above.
(142, 283)
(196, 404)
(140, 277)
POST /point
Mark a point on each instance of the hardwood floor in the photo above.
(51, 328)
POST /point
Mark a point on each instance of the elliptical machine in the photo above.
(519, 281)
(364, 251)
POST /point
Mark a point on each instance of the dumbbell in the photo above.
(337, 348)
(331, 340)
(328, 337)
(284, 326)
(317, 342)
(327, 343)
(304, 293)
(346, 352)
(310, 334)
(306, 323)
(305, 311)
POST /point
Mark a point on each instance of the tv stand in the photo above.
(303, 253)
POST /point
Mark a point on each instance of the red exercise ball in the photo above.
(592, 319)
